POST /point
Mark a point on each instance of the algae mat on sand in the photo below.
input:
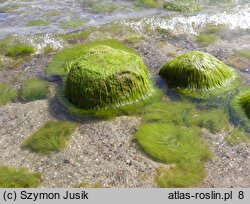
(103, 77)
(18, 178)
(170, 135)
(52, 137)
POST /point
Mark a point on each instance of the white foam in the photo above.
(239, 18)
(41, 41)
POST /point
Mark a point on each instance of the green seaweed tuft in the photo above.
(34, 89)
(52, 137)
(7, 93)
(206, 39)
(20, 50)
(18, 178)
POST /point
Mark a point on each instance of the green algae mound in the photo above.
(196, 71)
(244, 102)
(104, 77)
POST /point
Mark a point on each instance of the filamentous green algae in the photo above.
(104, 77)
(196, 71)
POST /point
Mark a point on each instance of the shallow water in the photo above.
(237, 18)
(69, 15)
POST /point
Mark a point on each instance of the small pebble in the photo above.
(129, 162)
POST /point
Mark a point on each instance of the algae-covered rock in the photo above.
(240, 109)
(244, 101)
(196, 71)
(104, 77)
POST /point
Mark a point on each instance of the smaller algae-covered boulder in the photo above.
(240, 109)
(196, 71)
(104, 77)
(244, 102)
